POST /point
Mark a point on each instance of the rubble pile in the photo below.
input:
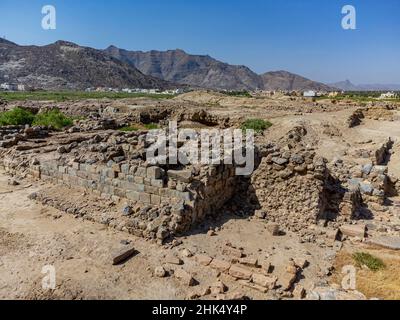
(289, 186)
(11, 135)
(379, 112)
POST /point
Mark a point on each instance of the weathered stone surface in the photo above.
(232, 252)
(240, 272)
(332, 234)
(279, 161)
(127, 210)
(172, 259)
(250, 262)
(184, 277)
(264, 281)
(180, 175)
(265, 265)
(301, 262)
(328, 293)
(389, 242)
(273, 229)
(160, 272)
(154, 173)
(287, 280)
(203, 259)
(357, 230)
(253, 286)
(220, 265)
(186, 253)
(218, 287)
(299, 292)
(123, 254)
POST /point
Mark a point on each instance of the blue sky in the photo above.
(301, 36)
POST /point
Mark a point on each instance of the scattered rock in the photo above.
(240, 272)
(13, 182)
(389, 242)
(268, 282)
(301, 263)
(127, 210)
(172, 259)
(356, 230)
(160, 272)
(203, 259)
(123, 254)
(220, 265)
(218, 288)
(211, 233)
(232, 252)
(253, 286)
(299, 292)
(273, 229)
(186, 253)
(250, 262)
(185, 277)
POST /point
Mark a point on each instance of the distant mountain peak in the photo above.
(195, 70)
(5, 41)
(51, 67)
(112, 47)
(66, 44)
(347, 85)
(285, 80)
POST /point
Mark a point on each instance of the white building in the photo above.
(309, 94)
(4, 86)
(9, 87)
(388, 95)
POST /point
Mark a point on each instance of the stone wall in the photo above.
(175, 197)
(289, 186)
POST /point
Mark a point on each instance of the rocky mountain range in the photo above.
(283, 80)
(65, 65)
(194, 70)
(347, 85)
(207, 72)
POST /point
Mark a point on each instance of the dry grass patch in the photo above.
(381, 281)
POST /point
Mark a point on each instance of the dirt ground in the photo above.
(33, 236)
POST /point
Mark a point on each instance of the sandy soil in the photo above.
(32, 236)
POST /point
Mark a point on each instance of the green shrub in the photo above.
(151, 126)
(242, 93)
(76, 96)
(16, 116)
(373, 263)
(258, 125)
(53, 118)
(128, 129)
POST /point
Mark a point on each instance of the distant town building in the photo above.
(388, 95)
(333, 94)
(4, 86)
(309, 94)
(9, 87)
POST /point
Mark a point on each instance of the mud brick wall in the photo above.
(290, 188)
